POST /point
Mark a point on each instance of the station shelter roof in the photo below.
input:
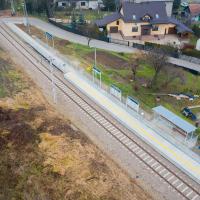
(174, 119)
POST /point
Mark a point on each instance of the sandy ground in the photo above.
(44, 156)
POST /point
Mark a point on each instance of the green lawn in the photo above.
(193, 39)
(90, 15)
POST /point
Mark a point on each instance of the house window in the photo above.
(155, 28)
(82, 3)
(117, 22)
(135, 29)
(157, 16)
(146, 18)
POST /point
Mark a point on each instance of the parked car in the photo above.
(188, 113)
(184, 4)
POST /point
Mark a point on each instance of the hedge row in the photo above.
(172, 51)
(191, 52)
(196, 30)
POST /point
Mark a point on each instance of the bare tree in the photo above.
(134, 64)
(90, 31)
(172, 73)
(156, 58)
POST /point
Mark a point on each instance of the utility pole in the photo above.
(95, 56)
(12, 8)
(52, 80)
(95, 62)
(26, 18)
(95, 70)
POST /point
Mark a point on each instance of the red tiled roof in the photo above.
(194, 9)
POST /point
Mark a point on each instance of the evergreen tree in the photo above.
(73, 20)
(109, 4)
(176, 4)
(81, 19)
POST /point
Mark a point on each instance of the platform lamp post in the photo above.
(26, 17)
(52, 80)
(12, 8)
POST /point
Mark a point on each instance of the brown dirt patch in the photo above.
(42, 157)
(110, 60)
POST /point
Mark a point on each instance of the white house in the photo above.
(81, 4)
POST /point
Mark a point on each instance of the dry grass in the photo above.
(43, 157)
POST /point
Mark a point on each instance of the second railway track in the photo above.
(155, 165)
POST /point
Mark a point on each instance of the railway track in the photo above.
(186, 190)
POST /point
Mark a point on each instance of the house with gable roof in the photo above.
(134, 20)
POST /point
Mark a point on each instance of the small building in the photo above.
(182, 127)
(81, 4)
(194, 12)
(134, 20)
(198, 45)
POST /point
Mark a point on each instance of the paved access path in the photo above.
(58, 32)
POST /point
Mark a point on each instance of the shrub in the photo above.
(198, 133)
(191, 52)
(170, 50)
(188, 46)
(196, 30)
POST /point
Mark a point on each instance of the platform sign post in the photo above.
(53, 81)
(49, 37)
(132, 103)
(116, 92)
(96, 72)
